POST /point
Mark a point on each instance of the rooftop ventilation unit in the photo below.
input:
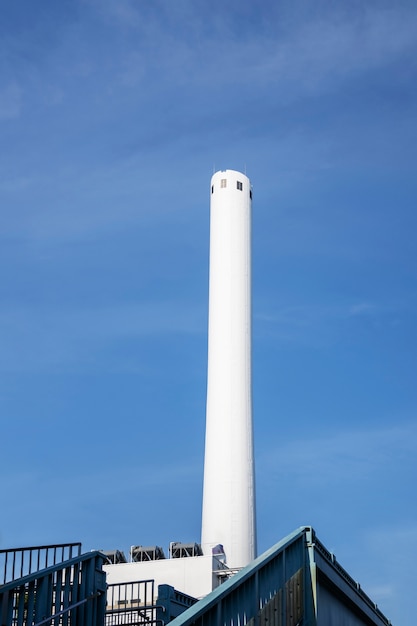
(115, 556)
(182, 550)
(138, 554)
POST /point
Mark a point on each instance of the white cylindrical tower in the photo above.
(229, 493)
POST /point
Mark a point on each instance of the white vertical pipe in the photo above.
(229, 494)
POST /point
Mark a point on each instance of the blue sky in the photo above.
(113, 115)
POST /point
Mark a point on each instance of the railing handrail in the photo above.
(46, 547)
(68, 608)
(44, 596)
(355, 586)
(19, 582)
(131, 582)
(134, 609)
(18, 562)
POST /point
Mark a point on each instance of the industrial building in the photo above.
(219, 581)
(297, 582)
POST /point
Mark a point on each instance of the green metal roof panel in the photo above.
(297, 580)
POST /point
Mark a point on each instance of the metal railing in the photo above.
(134, 604)
(331, 558)
(18, 562)
(131, 603)
(72, 593)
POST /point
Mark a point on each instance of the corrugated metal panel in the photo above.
(271, 614)
(259, 593)
(294, 592)
(278, 589)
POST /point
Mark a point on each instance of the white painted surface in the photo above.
(228, 498)
(192, 575)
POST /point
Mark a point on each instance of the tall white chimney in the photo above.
(229, 490)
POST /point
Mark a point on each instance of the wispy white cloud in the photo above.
(187, 45)
(167, 46)
(107, 480)
(343, 457)
(387, 552)
(74, 202)
(380, 593)
(77, 491)
(125, 12)
(362, 308)
(401, 535)
(10, 101)
(15, 184)
(321, 53)
(316, 324)
(40, 338)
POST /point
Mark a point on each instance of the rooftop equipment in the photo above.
(182, 550)
(138, 554)
(115, 556)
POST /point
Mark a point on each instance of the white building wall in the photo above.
(192, 575)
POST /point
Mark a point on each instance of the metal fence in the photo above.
(135, 604)
(65, 594)
(18, 562)
(131, 603)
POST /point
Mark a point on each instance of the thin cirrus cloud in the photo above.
(390, 545)
(313, 56)
(331, 49)
(46, 338)
(343, 457)
(318, 323)
(112, 482)
(10, 101)
(70, 204)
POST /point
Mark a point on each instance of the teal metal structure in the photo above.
(298, 582)
(48, 585)
(18, 562)
(295, 583)
(171, 603)
(133, 603)
(69, 593)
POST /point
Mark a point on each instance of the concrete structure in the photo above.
(228, 496)
(229, 499)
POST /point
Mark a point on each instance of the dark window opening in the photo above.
(239, 185)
